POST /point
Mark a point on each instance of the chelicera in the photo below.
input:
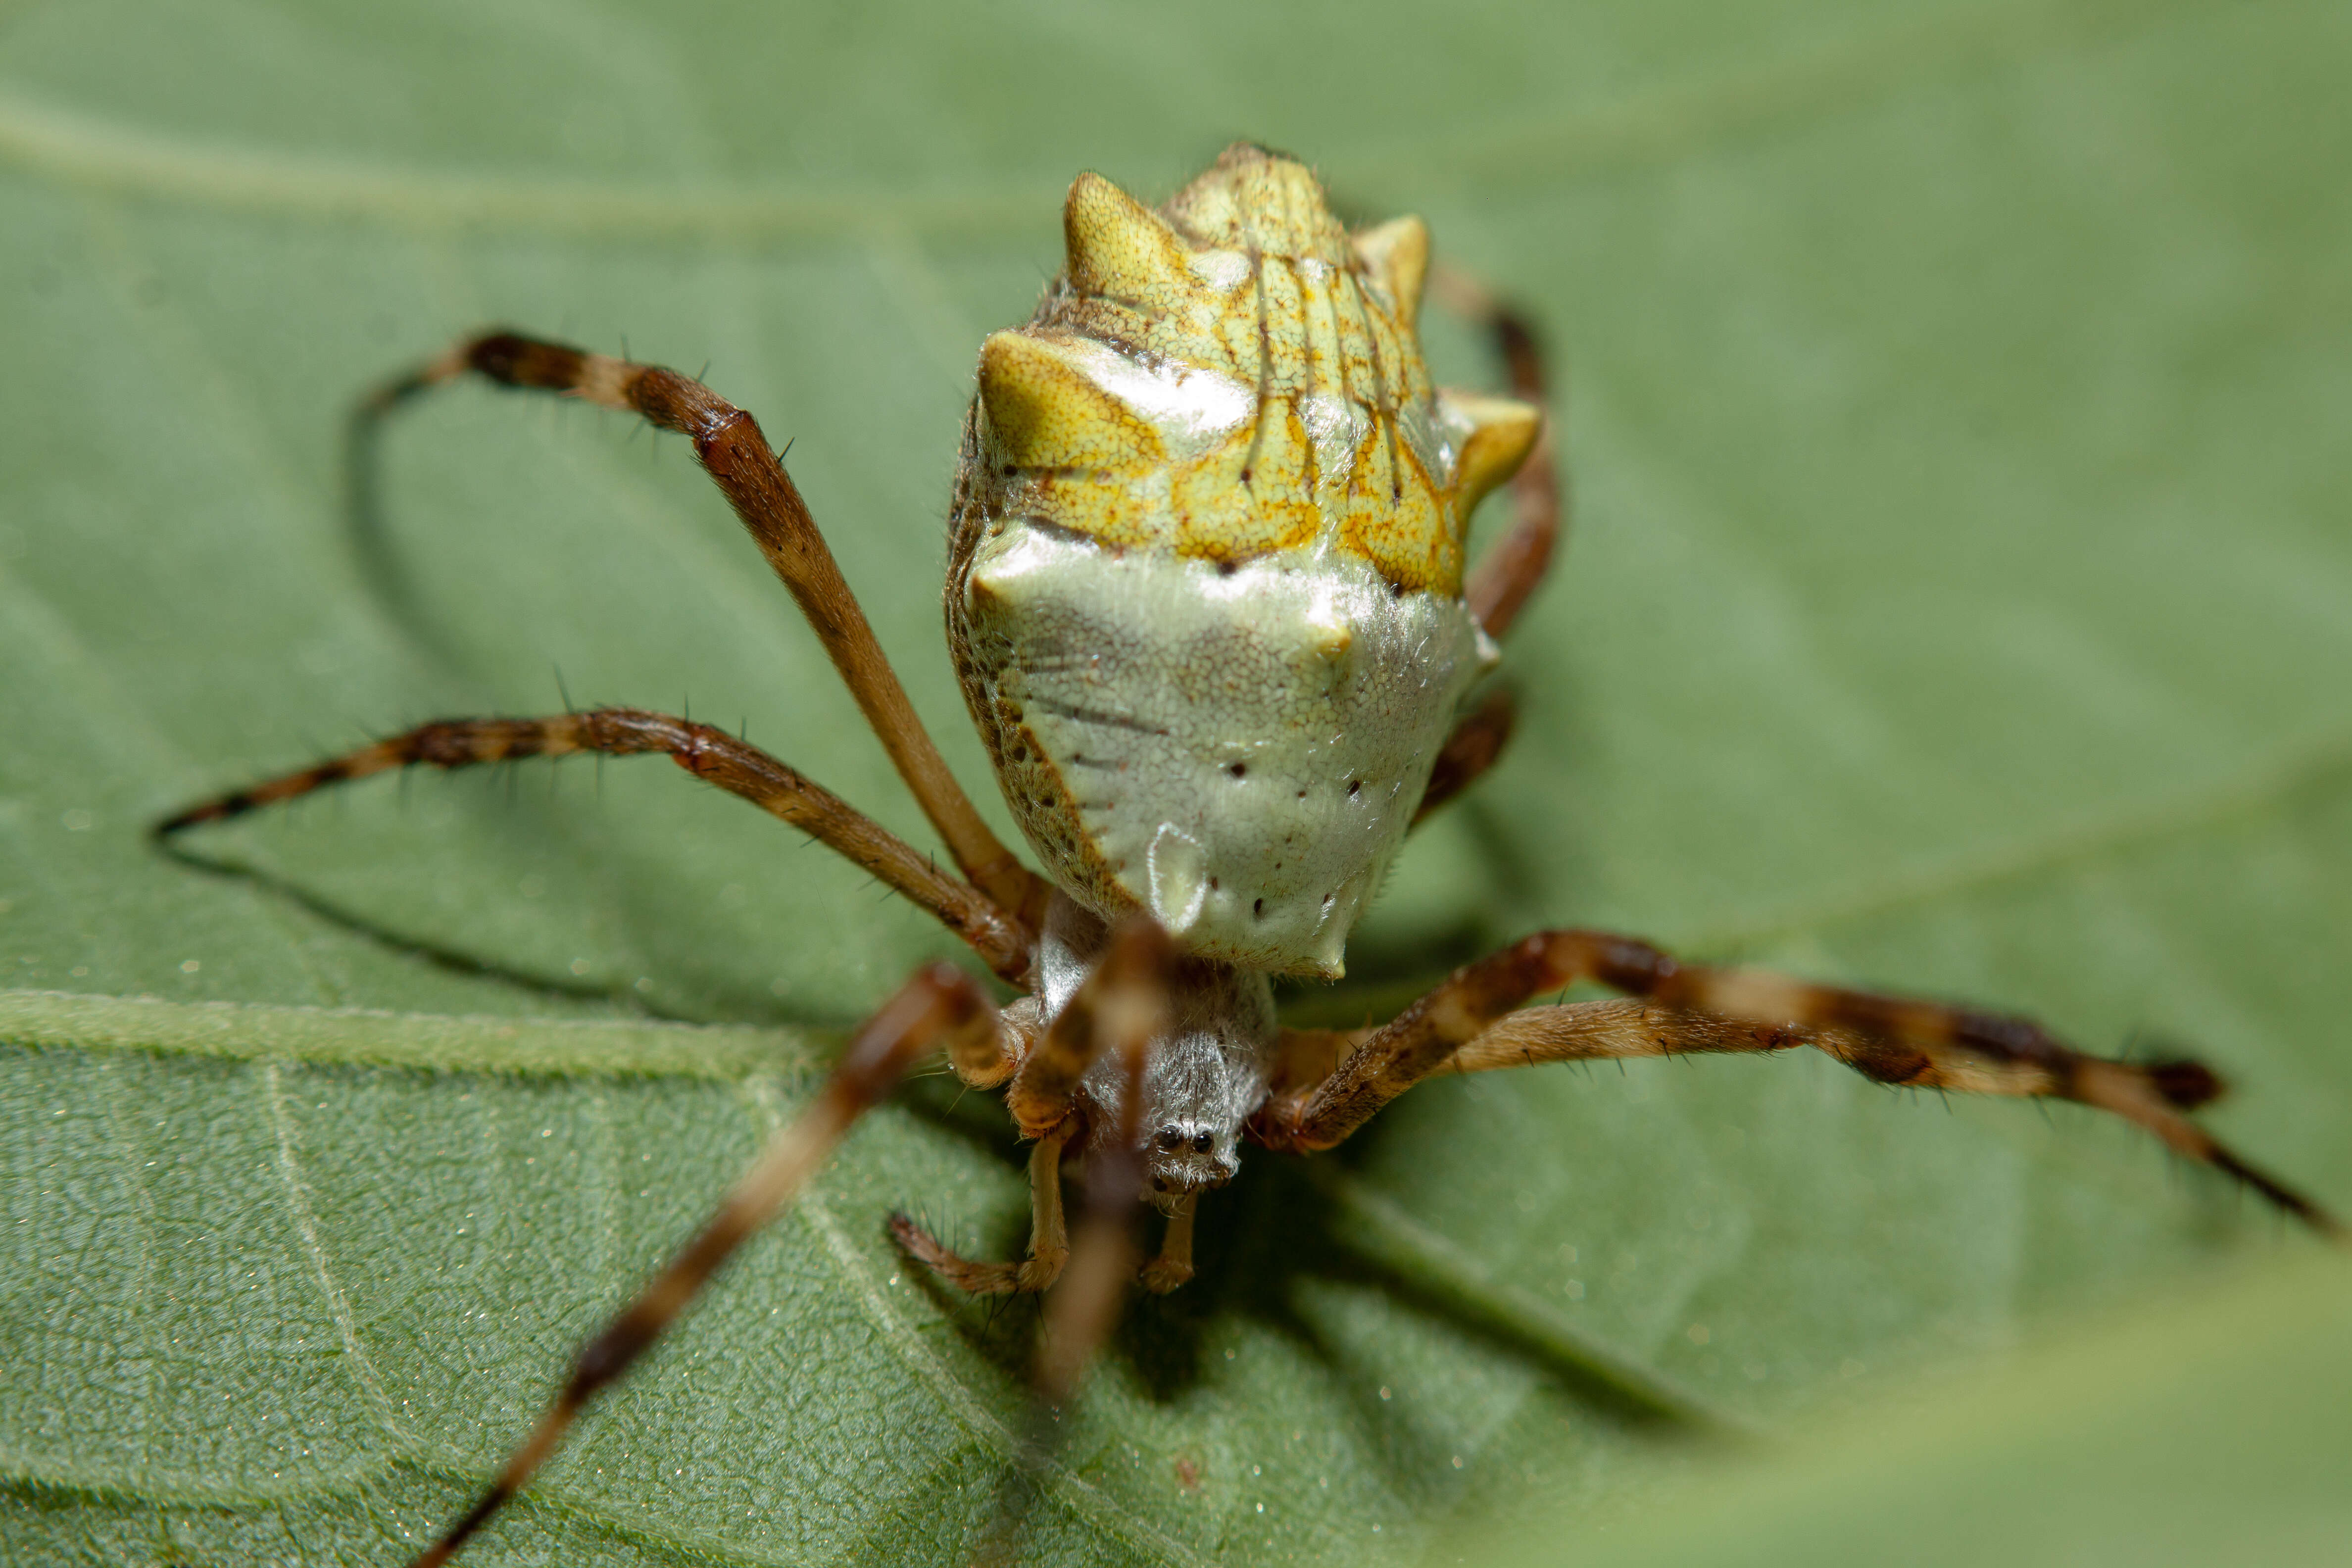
(1208, 599)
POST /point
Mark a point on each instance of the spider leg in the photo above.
(1129, 1010)
(1122, 1005)
(984, 1064)
(708, 753)
(1510, 572)
(1475, 745)
(1303, 1059)
(1049, 1240)
(1467, 1025)
(940, 1003)
(1514, 566)
(1080, 1315)
(728, 443)
(1124, 1000)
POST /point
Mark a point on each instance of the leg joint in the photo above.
(518, 361)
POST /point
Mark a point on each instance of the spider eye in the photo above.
(1170, 1139)
(1201, 1142)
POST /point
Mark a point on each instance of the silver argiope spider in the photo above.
(1208, 601)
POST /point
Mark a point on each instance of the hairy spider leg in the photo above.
(1467, 1025)
(1127, 1005)
(940, 1005)
(1119, 1007)
(729, 445)
(709, 754)
(1508, 575)
(2153, 1096)
(1123, 1006)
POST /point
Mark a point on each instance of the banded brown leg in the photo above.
(728, 443)
(1475, 745)
(1468, 1024)
(1128, 1011)
(939, 1005)
(1121, 1007)
(1049, 1240)
(711, 755)
(1514, 566)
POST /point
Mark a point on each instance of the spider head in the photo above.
(1186, 1156)
(1200, 1086)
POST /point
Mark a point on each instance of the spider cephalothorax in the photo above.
(1207, 597)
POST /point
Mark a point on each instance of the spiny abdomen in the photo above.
(1205, 585)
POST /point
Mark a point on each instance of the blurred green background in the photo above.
(1959, 598)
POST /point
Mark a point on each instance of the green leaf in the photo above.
(2211, 1430)
(1958, 600)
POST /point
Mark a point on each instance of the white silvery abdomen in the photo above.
(1244, 747)
(1205, 562)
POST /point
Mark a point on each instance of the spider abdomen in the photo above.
(1205, 585)
(1240, 751)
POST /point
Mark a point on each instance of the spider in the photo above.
(1208, 601)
